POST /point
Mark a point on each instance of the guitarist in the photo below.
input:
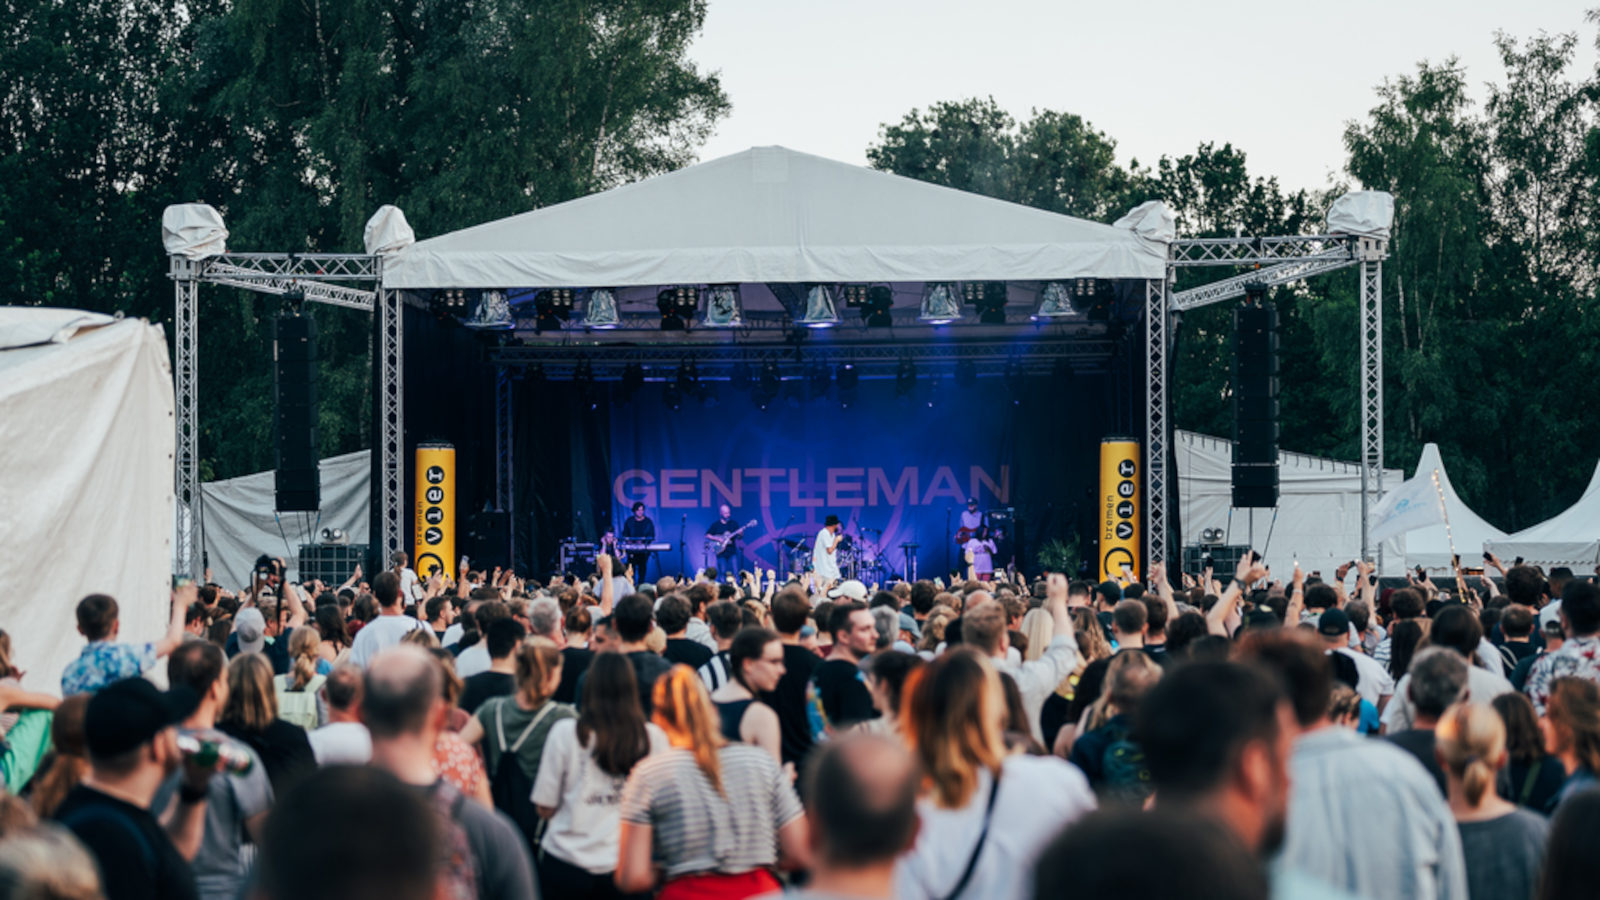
(971, 521)
(728, 552)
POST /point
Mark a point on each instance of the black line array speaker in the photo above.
(294, 352)
(1255, 405)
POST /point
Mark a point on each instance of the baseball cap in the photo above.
(908, 622)
(125, 714)
(830, 520)
(1333, 623)
(853, 589)
(972, 501)
(251, 629)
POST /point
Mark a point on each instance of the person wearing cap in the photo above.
(825, 555)
(130, 731)
(971, 519)
(1372, 681)
(104, 660)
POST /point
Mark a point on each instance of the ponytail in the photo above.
(683, 710)
(537, 659)
(303, 644)
(1471, 738)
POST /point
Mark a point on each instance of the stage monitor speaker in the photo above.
(487, 540)
(294, 351)
(1255, 400)
(1255, 486)
(1224, 559)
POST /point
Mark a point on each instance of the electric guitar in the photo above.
(723, 540)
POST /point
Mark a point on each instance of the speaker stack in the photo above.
(294, 353)
(1255, 402)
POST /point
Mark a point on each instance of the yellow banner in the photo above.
(435, 543)
(1119, 509)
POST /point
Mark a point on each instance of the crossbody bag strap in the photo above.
(983, 838)
(529, 730)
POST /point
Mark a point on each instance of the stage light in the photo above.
(1055, 302)
(905, 378)
(768, 386)
(491, 312)
(1014, 382)
(939, 305)
(446, 303)
(853, 296)
(723, 309)
(600, 312)
(677, 306)
(820, 311)
(848, 378)
(880, 299)
(688, 377)
(966, 373)
(583, 377)
(990, 299)
(672, 394)
(551, 308)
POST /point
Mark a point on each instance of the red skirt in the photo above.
(716, 886)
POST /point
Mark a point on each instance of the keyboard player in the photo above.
(638, 533)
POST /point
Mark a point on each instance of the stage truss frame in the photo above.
(354, 281)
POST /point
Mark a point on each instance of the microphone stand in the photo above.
(683, 528)
(783, 554)
(947, 538)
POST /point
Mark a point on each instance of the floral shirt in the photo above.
(1579, 657)
(103, 662)
(457, 763)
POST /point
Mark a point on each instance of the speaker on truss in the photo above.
(294, 352)
(1255, 401)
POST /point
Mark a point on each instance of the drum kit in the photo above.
(860, 556)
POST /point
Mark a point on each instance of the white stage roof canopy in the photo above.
(773, 215)
(1430, 547)
(1571, 538)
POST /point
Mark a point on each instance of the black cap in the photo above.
(125, 714)
(1333, 623)
(972, 501)
(830, 521)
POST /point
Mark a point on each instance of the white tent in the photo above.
(239, 523)
(1318, 519)
(772, 215)
(1570, 539)
(86, 446)
(1430, 547)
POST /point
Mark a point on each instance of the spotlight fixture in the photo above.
(600, 312)
(820, 311)
(677, 306)
(492, 312)
(1014, 382)
(551, 308)
(853, 296)
(1091, 296)
(688, 377)
(451, 302)
(848, 378)
(880, 299)
(990, 299)
(672, 395)
(1211, 536)
(1055, 302)
(905, 378)
(722, 307)
(939, 305)
(583, 377)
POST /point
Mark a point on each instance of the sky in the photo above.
(1278, 80)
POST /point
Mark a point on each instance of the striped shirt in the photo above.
(694, 828)
(715, 672)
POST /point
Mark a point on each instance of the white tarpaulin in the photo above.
(1318, 514)
(771, 214)
(86, 445)
(1430, 547)
(239, 523)
(1414, 504)
(1570, 539)
(1362, 213)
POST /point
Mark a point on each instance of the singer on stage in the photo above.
(824, 553)
(638, 532)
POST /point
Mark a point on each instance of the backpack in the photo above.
(509, 786)
(1124, 776)
(458, 878)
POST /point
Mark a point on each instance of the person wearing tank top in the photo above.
(755, 663)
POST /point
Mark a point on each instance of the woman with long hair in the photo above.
(1533, 777)
(454, 759)
(1405, 639)
(69, 763)
(25, 733)
(251, 717)
(297, 691)
(512, 731)
(1501, 843)
(1571, 867)
(888, 673)
(755, 663)
(986, 815)
(330, 624)
(586, 764)
(1571, 728)
(707, 818)
(1055, 715)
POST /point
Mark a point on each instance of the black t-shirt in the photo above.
(284, 749)
(484, 685)
(842, 691)
(721, 527)
(638, 529)
(690, 653)
(137, 859)
(788, 700)
(1420, 742)
(574, 662)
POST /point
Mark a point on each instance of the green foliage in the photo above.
(1059, 556)
(297, 119)
(1490, 290)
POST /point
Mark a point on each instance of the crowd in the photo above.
(744, 735)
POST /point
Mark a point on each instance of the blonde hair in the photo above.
(6, 669)
(656, 641)
(536, 659)
(48, 863)
(1128, 676)
(1471, 738)
(252, 702)
(422, 637)
(683, 710)
(303, 644)
(953, 717)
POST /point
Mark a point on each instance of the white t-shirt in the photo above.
(982, 556)
(1039, 795)
(410, 586)
(1372, 680)
(1482, 687)
(472, 661)
(824, 564)
(971, 520)
(341, 744)
(452, 635)
(380, 634)
(583, 832)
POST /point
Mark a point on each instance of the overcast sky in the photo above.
(1278, 80)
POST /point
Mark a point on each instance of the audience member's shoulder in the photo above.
(1043, 770)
